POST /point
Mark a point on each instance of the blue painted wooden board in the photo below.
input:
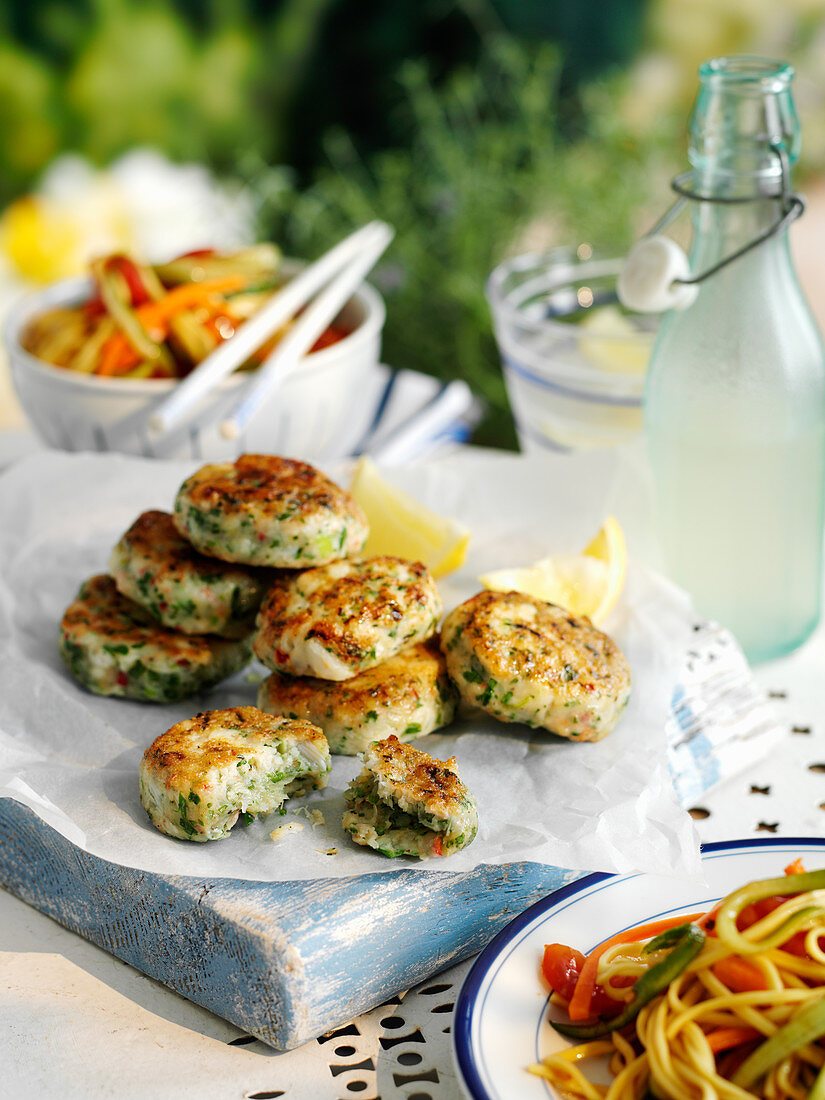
(284, 961)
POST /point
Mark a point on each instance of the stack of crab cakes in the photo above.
(343, 637)
(177, 612)
(352, 647)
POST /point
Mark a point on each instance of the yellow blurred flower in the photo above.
(45, 239)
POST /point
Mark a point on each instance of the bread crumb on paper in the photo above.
(282, 830)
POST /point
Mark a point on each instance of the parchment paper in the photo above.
(73, 757)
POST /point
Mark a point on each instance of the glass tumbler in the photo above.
(574, 360)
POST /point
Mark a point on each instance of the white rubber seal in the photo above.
(646, 283)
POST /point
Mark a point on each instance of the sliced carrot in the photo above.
(724, 1038)
(581, 1001)
(117, 355)
(185, 296)
(739, 975)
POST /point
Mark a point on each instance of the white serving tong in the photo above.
(344, 268)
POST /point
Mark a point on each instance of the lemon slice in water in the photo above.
(589, 583)
(610, 341)
(401, 526)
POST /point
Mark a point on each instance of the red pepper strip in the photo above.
(329, 337)
(128, 269)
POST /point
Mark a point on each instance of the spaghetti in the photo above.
(726, 1006)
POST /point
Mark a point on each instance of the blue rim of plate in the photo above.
(464, 1009)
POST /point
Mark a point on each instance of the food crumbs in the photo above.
(327, 851)
(314, 817)
(282, 830)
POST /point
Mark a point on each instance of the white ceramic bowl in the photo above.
(308, 416)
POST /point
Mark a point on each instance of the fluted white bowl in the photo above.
(308, 415)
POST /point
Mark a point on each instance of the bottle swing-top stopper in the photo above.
(651, 279)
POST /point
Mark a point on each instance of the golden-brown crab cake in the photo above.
(406, 803)
(154, 565)
(265, 510)
(203, 773)
(524, 660)
(409, 695)
(114, 647)
(337, 620)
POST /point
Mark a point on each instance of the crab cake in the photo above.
(264, 510)
(337, 620)
(406, 803)
(114, 647)
(524, 660)
(409, 695)
(198, 777)
(156, 567)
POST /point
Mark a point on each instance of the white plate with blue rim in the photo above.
(501, 1017)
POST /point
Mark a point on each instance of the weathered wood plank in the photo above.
(284, 961)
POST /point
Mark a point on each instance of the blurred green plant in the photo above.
(469, 160)
(487, 164)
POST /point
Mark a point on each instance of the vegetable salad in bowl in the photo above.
(161, 320)
(92, 357)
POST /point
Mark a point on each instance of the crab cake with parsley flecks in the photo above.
(154, 565)
(340, 619)
(113, 647)
(406, 803)
(265, 510)
(523, 660)
(203, 773)
(409, 695)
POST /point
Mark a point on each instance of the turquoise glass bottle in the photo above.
(735, 399)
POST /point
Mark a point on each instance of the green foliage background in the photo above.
(469, 125)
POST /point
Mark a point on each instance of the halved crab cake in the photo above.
(265, 510)
(337, 620)
(158, 568)
(409, 695)
(406, 803)
(114, 647)
(524, 660)
(203, 773)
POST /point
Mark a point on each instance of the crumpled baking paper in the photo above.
(73, 757)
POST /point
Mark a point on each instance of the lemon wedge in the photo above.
(589, 583)
(613, 343)
(401, 526)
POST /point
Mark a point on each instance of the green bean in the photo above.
(817, 1091)
(807, 1025)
